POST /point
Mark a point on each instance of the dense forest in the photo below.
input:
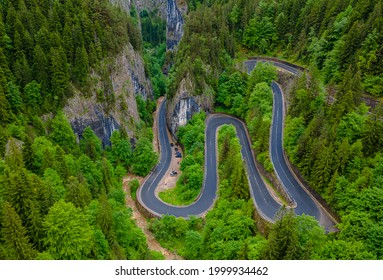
(333, 138)
(62, 196)
(331, 36)
(59, 198)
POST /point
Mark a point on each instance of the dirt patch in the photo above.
(139, 218)
(142, 223)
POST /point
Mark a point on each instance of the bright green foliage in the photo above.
(33, 96)
(193, 244)
(145, 109)
(231, 164)
(17, 244)
(345, 250)
(90, 144)
(154, 60)
(192, 138)
(53, 182)
(121, 149)
(77, 193)
(44, 50)
(68, 233)
(128, 235)
(105, 218)
(62, 133)
(44, 153)
(260, 34)
(231, 91)
(263, 72)
(134, 185)
(144, 157)
(92, 172)
(283, 241)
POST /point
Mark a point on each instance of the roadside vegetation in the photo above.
(337, 146)
(188, 187)
(62, 198)
(229, 231)
(250, 98)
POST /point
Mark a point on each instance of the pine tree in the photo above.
(81, 65)
(62, 133)
(59, 76)
(68, 42)
(90, 144)
(77, 193)
(283, 243)
(16, 240)
(105, 218)
(40, 68)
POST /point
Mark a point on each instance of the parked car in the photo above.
(178, 155)
(173, 173)
(171, 144)
(176, 149)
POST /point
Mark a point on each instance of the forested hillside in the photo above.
(333, 138)
(332, 36)
(61, 198)
(61, 190)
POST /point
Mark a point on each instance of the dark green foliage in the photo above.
(46, 50)
(154, 60)
(153, 28)
(81, 65)
(16, 244)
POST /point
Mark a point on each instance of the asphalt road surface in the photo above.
(264, 202)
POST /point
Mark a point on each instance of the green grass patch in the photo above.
(179, 195)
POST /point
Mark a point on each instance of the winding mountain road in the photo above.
(266, 206)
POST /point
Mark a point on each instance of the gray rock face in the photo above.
(128, 80)
(151, 5)
(102, 125)
(174, 27)
(183, 111)
(123, 4)
(184, 105)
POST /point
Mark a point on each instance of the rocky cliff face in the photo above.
(126, 79)
(123, 4)
(151, 5)
(184, 105)
(174, 27)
